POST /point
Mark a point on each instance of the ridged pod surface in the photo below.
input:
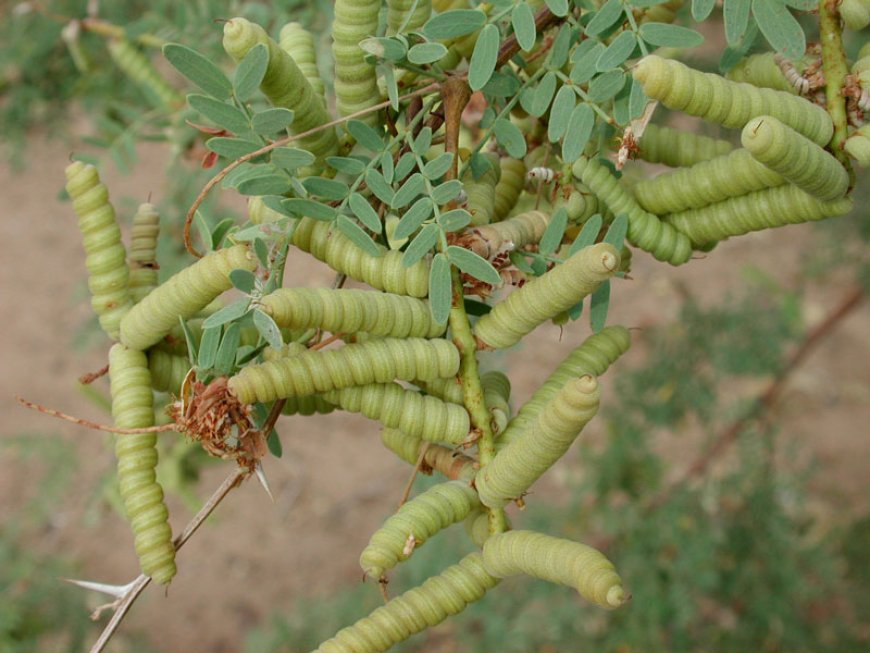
(761, 70)
(557, 560)
(446, 389)
(858, 146)
(183, 296)
(167, 370)
(386, 272)
(666, 12)
(708, 182)
(677, 148)
(855, 13)
(795, 157)
(517, 466)
(524, 229)
(143, 251)
(728, 103)
(423, 516)
(352, 311)
(376, 361)
(139, 68)
(259, 213)
(305, 405)
(407, 15)
(428, 605)
(510, 185)
(405, 446)
(481, 193)
(133, 407)
(285, 86)
(496, 394)
(298, 42)
(356, 84)
(546, 296)
(645, 230)
(108, 275)
(423, 416)
(765, 209)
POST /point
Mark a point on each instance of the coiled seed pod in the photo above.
(376, 361)
(133, 407)
(421, 518)
(143, 251)
(481, 192)
(796, 158)
(446, 389)
(490, 240)
(385, 272)
(774, 207)
(405, 446)
(522, 462)
(678, 149)
(108, 275)
(761, 70)
(182, 296)
(298, 42)
(356, 86)
(546, 296)
(138, 68)
(259, 213)
(858, 146)
(417, 609)
(167, 370)
(855, 13)
(407, 15)
(351, 311)
(666, 12)
(509, 186)
(496, 394)
(305, 405)
(645, 230)
(731, 104)
(557, 560)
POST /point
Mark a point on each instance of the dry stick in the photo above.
(188, 222)
(142, 581)
(90, 377)
(89, 424)
(835, 68)
(543, 19)
(410, 484)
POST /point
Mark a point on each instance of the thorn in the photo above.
(261, 476)
(112, 590)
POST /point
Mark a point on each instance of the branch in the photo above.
(835, 68)
(543, 19)
(92, 425)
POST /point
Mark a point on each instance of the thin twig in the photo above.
(90, 377)
(92, 425)
(543, 19)
(328, 341)
(410, 484)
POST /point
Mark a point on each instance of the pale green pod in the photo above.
(481, 192)
(765, 209)
(490, 240)
(497, 394)
(666, 12)
(183, 296)
(143, 251)
(546, 296)
(385, 272)
(351, 311)
(405, 446)
(168, 371)
(446, 389)
(259, 213)
(728, 103)
(133, 407)
(645, 230)
(477, 526)
(795, 157)
(407, 15)
(419, 518)
(298, 42)
(446, 5)
(509, 187)
(708, 182)
(858, 146)
(855, 13)
(423, 416)
(376, 361)
(761, 70)
(677, 148)
(108, 275)
(135, 65)
(425, 606)
(557, 560)
(524, 460)
(356, 84)
(305, 405)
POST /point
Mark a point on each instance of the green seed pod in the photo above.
(666, 12)
(546, 296)
(108, 275)
(305, 405)
(377, 361)
(446, 389)
(645, 230)
(497, 394)
(708, 182)
(522, 462)
(351, 311)
(407, 15)
(678, 149)
(285, 86)
(509, 187)
(423, 416)
(796, 158)
(477, 526)
(167, 370)
(356, 84)
(420, 518)
(858, 146)
(557, 560)
(405, 446)
(490, 240)
(774, 207)
(183, 296)
(143, 251)
(298, 42)
(855, 13)
(481, 193)
(386, 272)
(731, 104)
(141, 71)
(133, 407)
(259, 213)
(761, 70)
(428, 605)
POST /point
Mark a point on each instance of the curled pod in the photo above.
(557, 560)
(708, 182)
(491, 240)
(142, 72)
(795, 157)
(108, 275)
(385, 272)
(133, 407)
(446, 389)
(645, 230)
(143, 251)
(168, 371)
(855, 13)
(677, 148)
(356, 85)
(764, 209)
(477, 526)
(298, 42)
(858, 146)
(761, 70)
(376, 361)
(285, 86)
(594, 356)
(509, 187)
(481, 192)
(407, 15)
(546, 296)
(259, 213)
(406, 447)
(351, 311)
(666, 12)
(305, 405)
(419, 608)
(518, 465)
(728, 103)
(417, 415)
(182, 296)
(416, 521)
(444, 459)
(497, 394)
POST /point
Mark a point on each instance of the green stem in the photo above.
(835, 68)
